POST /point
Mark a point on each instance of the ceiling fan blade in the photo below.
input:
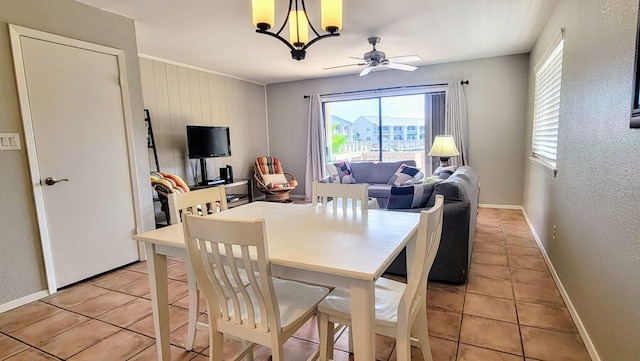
(355, 57)
(404, 67)
(404, 58)
(343, 66)
(366, 70)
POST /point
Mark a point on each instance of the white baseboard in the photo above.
(23, 301)
(500, 206)
(565, 296)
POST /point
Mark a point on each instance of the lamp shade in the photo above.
(331, 11)
(443, 146)
(263, 12)
(298, 28)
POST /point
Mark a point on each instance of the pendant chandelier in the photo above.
(299, 24)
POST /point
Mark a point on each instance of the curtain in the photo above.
(316, 146)
(456, 122)
(435, 116)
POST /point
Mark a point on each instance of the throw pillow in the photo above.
(344, 172)
(432, 179)
(405, 175)
(271, 179)
(333, 177)
(412, 196)
(444, 172)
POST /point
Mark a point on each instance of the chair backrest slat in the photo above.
(213, 257)
(346, 196)
(227, 250)
(198, 202)
(427, 244)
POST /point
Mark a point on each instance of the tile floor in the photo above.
(510, 309)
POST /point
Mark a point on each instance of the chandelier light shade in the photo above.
(331, 15)
(298, 28)
(444, 146)
(263, 12)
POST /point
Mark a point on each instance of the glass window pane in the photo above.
(356, 130)
(404, 117)
(353, 130)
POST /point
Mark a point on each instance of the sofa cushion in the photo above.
(405, 175)
(444, 172)
(379, 190)
(411, 196)
(376, 172)
(457, 187)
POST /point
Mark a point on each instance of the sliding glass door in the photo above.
(383, 128)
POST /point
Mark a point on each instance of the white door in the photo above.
(78, 132)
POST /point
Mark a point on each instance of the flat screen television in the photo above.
(207, 142)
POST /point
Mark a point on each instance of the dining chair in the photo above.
(266, 311)
(199, 202)
(399, 307)
(336, 195)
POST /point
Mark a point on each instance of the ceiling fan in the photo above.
(376, 58)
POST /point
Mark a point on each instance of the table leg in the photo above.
(157, 268)
(363, 320)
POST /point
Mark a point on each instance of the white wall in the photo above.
(178, 95)
(595, 199)
(496, 99)
(21, 262)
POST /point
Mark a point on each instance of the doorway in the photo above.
(74, 115)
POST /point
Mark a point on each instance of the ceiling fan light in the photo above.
(263, 12)
(298, 28)
(331, 11)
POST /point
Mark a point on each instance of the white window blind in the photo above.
(546, 115)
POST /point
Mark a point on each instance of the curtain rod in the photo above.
(463, 82)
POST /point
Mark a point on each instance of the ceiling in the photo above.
(218, 35)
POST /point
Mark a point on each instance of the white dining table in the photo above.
(306, 243)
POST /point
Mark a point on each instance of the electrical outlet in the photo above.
(555, 232)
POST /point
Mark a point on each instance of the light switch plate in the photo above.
(9, 141)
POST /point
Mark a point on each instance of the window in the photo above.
(391, 125)
(548, 76)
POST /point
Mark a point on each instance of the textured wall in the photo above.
(21, 264)
(496, 101)
(177, 96)
(595, 199)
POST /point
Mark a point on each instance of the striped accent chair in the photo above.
(165, 183)
(272, 180)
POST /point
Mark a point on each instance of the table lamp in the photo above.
(444, 147)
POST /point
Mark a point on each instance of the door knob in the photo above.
(51, 181)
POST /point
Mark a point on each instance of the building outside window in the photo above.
(382, 128)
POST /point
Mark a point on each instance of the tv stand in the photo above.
(203, 172)
(238, 193)
(215, 182)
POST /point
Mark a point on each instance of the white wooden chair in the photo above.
(336, 195)
(267, 311)
(198, 202)
(400, 307)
